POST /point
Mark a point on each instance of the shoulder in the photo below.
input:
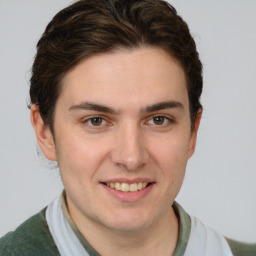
(217, 244)
(199, 239)
(241, 249)
(30, 238)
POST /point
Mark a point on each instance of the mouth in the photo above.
(129, 190)
(125, 187)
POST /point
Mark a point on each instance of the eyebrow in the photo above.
(92, 106)
(148, 109)
(163, 105)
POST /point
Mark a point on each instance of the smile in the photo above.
(125, 187)
(129, 190)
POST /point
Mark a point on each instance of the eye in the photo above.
(96, 121)
(159, 120)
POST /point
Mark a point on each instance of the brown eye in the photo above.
(96, 121)
(159, 120)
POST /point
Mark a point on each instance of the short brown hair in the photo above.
(88, 27)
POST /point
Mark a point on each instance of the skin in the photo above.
(142, 131)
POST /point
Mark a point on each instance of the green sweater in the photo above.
(30, 238)
(33, 238)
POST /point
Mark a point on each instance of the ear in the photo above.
(43, 134)
(193, 136)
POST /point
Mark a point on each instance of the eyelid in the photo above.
(89, 117)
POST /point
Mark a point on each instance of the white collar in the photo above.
(64, 237)
(205, 241)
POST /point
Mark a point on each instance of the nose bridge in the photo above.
(130, 150)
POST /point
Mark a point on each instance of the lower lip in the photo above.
(129, 196)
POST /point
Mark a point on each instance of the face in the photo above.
(123, 137)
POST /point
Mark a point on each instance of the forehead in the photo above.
(126, 77)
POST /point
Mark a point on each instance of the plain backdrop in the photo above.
(220, 183)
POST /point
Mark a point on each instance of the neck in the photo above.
(160, 238)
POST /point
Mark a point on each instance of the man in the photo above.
(115, 92)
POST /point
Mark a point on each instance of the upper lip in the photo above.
(128, 181)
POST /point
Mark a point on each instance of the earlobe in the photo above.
(193, 137)
(43, 134)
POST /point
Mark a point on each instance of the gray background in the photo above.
(220, 184)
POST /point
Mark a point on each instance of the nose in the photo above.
(129, 150)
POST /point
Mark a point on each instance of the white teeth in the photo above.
(125, 187)
(117, 186)
(144, 184)
(133, 187)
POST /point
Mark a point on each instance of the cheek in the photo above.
(171, 156)
(80, 156)
(171, 153)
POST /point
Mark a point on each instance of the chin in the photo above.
(129, 222)
(128, 227)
